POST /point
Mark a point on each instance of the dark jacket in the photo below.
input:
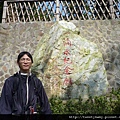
(14, 101)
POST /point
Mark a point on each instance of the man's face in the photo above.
(25, 64)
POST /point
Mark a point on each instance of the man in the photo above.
(23, 92)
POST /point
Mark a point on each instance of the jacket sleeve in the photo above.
(6, 98)
(44, 102)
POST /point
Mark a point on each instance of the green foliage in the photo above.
(57, 105)
(107, 104)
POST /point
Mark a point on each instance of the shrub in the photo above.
(105, 104)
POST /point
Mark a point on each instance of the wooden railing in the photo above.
(55, 10)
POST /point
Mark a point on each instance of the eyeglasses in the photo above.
(25, 60)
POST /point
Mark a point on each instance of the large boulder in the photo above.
(69, 65)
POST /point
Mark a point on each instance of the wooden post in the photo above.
(4, 11)
(112, 9)
(57, 10)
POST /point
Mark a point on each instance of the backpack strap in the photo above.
(15, 83)
(36, 93)
(35, 84)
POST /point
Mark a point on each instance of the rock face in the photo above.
(69, 65)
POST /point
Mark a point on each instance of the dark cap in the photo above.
(22, 54)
